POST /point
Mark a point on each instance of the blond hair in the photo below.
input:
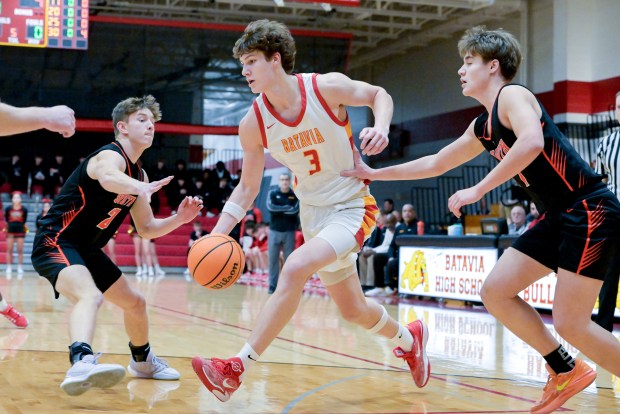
(130, 105)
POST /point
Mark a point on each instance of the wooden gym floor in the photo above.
(319, 363)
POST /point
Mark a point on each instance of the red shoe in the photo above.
(15, 317)
(220, 376)
(561, 387)
(417, 359)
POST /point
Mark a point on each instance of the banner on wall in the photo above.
(458, 273)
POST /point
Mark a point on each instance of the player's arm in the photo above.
(150, 227)
(520, 112)
(15, 120)
(251, 175)
(463, 149)
(340, 90)
(108, 167)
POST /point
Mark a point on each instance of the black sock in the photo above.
(79, 350)
(139, 353)
(560, 360)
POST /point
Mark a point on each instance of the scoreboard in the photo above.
(59, 24)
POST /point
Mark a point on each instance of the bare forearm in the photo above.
(383, 109)
(117, 182)
(412, 170)
(18, 120)
(243, 196)
(160, 226)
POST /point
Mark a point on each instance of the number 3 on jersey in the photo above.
(314, 161)
(105, 223)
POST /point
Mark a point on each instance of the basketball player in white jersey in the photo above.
(302, 120)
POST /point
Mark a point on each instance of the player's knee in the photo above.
(95, 297)
(567, 327)
(138, 303)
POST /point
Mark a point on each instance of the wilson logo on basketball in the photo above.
(216, 261)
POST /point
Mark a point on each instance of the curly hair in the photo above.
(269, 37)
(130, 105)
(493, 44)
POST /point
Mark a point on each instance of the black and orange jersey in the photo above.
(16, 219)
(86, 214)
(558, 170)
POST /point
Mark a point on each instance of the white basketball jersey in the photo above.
(316, 147)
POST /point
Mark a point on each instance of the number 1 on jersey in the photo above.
(314, 160)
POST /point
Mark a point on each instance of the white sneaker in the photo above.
(151, 272)
(153, 367)
(159, 271)
(388, 291)
(375, 292)
(20, 270)
(9, 272)
(85, 374)
(139, 271)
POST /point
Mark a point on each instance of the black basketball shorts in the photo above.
(583, 238)
(50, 258)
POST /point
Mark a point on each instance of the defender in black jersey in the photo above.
(578, 236)
(67, 250)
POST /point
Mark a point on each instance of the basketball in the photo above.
(216, 261)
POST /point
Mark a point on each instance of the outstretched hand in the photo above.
(373, 141)
(189, 208)
(61, 119)
(154, 186)
(360, 169)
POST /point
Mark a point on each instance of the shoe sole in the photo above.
(578, 386)
(425, 361)
(138, 374)
(197, 365)
(99, 377)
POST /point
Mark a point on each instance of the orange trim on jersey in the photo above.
(558, 162)
(326, 107)
(69, 216)
(592, 252)
(125, 156)
(369, 221)
(272, 111)
(261, 124)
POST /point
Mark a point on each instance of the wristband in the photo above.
(234, 210)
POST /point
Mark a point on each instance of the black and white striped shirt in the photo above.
(608, 160)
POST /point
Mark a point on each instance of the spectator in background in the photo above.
(517, 224)
(236, 178)
(15, 216)
(159, 172)
(58, 172)
(38, 177)
(18, 176)
(283, 205)
(197, 232)
(45, 207)
(365, 258)
(533, 217)
(180, 187)
(410, 226)
(221, 171)
(608, 163)
(387, 207)
(380, 258)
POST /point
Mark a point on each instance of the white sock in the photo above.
(248, 357)
(403, 338)
(3, 305)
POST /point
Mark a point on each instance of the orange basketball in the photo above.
(216, 261)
